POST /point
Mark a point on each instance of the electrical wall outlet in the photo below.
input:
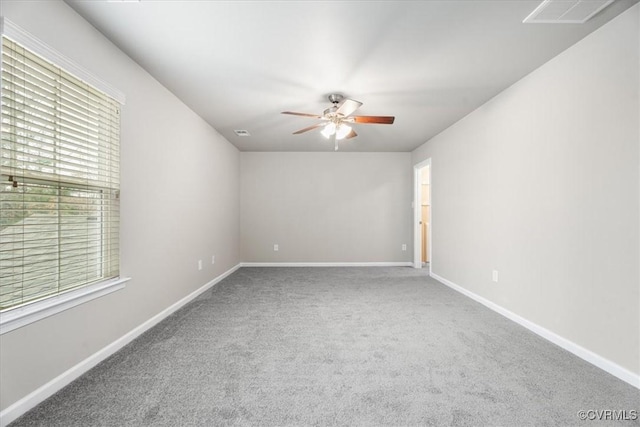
(213, 259)
(199, 264)
(404, 246)
(495, 276)
(276, 248)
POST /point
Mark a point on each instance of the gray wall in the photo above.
(542, 184)
(326, 207)
(180, 203)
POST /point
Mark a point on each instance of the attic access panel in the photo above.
(566, 11)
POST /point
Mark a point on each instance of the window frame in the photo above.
(24, 314)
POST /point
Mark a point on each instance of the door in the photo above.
(422, 213)
(425, 207)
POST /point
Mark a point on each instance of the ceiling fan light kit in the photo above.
(337, 117)
(340, 130)
(328, 130)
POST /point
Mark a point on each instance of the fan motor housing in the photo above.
(330, 112)
(335, 98)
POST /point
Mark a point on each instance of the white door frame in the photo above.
(417, 215)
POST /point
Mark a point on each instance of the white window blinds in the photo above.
(59, 180)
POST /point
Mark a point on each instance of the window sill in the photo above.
(21, 316)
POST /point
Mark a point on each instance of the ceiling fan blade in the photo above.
(348, 106)
(351, 134)
(383, 120)
(302, 114)
(308, 128)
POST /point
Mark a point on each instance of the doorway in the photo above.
(422, 215)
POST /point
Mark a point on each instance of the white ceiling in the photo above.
(238, 64)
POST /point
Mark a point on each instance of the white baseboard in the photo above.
(28, 402)
(587, 355)
(327, 264)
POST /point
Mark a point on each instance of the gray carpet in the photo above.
(337, 346)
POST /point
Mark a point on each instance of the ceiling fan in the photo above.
(336, 119)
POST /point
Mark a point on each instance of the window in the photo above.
(59, 180)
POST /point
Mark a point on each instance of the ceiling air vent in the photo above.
(566, 11)
(242, 132)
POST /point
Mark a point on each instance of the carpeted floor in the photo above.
(337, 346)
